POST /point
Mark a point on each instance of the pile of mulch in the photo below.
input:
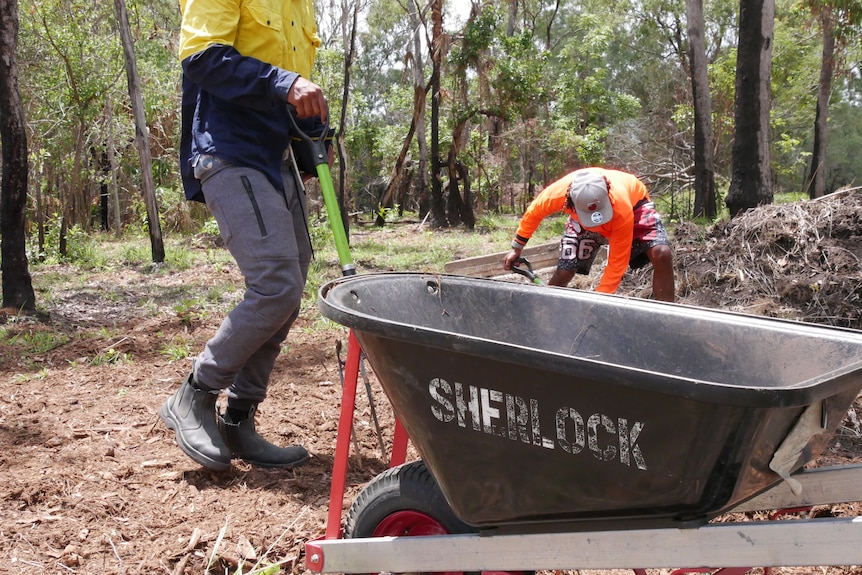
(797, 261)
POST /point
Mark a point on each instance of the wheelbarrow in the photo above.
(564, 429)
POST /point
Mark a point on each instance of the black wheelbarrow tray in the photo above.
(545, 409)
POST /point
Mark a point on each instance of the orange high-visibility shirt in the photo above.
(626, 190)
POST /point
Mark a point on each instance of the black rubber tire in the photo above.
(407, 487)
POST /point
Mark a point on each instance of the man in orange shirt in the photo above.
(604, 206)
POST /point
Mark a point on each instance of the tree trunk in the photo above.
(438, 209)
(816, 181)
(417, 126)
(403, 196)
(141, 140)
(69, 193)
(101, 163)
(112, 161)
(704, 164)
(17, 283)
(421, 174)
(40, 217)
(751, 179)
(397, 170)
(459, 210)
(350, 42)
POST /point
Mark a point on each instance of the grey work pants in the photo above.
(266, 232)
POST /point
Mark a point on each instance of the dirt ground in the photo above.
(92, 482)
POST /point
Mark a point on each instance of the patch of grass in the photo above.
(219, 258)
(33, 341)
(20, 378)
(180, 258)
(219, 293)
(135, 253)
(111, 356)
(103, 333)
(179, 348)
(123, 274)
(414, 247)
(190, 311)
(149, 307)
(320, 324)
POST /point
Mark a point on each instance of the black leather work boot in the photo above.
(191, 413)
(237, 427)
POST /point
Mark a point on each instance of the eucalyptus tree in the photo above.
(844, 145)
(521, 80)
(704, 164)
(141, 139)
(650, 62)
(795, 69)
(720, 35)
(495, 77)
(816, 179)
(840, 22)
(751, 180)
(539, 73)
(651, 58)
(17, 284)
(401, 176)
(420, 91)
(468, 64)
(382, 99)
(437, 211)
(472, 117)
(349, 26)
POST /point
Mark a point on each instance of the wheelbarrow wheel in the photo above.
(403, 501)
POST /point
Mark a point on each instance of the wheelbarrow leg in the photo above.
(399, 445)
(342, 445)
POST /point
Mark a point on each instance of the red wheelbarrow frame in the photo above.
(342, 444)
(803, 542)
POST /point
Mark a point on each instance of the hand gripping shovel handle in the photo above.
(321, 164)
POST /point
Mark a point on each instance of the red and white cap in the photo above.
(589, 194)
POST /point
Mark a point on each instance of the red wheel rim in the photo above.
(408, 523)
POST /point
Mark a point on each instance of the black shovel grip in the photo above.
(315, 151)
(526, 271)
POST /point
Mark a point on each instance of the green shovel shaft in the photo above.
(338, 233)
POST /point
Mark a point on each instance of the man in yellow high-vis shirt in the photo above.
(243, 62)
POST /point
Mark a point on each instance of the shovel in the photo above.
(321, 164)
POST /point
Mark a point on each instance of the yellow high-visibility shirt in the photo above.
(279, 32)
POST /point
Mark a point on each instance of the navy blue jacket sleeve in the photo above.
(241, 80)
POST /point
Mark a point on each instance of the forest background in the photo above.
(511, 96)
(450, 116)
